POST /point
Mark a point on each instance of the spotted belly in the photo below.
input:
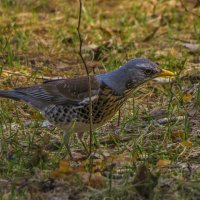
(77, 117)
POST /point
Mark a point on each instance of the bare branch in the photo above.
(87, 72)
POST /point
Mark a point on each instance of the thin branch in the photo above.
(87, 72)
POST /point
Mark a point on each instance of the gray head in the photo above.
(140, 70)
(132, 74)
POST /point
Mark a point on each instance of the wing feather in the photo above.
(63, 91)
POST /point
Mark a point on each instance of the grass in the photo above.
(139, 159)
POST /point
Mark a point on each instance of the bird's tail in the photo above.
(10, 94)
(16, 95)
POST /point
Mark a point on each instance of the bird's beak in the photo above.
(166, 73)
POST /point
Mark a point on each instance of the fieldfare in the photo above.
(65, 102)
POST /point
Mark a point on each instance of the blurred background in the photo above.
(151, 150)
(41, 36)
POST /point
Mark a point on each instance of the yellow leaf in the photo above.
(95, 180)
(178, 134)
(186, 143)
(37, 116)
(64, 166)
(187, 97)
(163, 163)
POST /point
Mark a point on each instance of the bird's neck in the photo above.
(116, 80)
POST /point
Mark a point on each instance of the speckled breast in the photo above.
(103, 109)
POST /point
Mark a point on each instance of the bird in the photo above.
(65, 102)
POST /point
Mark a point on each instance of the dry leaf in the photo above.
(178, 135)
(187, 98)
(37, 116)
(163, 163)
(186, 143)
(96, 180)
(64, 166)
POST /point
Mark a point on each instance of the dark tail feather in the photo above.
(13, 94)
(10, 94)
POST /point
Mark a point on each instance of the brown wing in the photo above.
(62, 91)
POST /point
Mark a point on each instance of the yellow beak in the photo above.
(165, 73)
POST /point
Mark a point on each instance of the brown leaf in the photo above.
(187, 98)
(186, 143)
(95, 180)
(163, 163)
(66, 167)
(178, 135)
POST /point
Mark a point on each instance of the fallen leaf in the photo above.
(186, 143)
(178, 134)
(187, 98)
(163, 163)
(37, 116)
(64, 166)
(96, 180)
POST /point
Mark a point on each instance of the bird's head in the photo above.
(140, 70)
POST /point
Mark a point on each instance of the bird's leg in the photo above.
(80, 137)
(66, 138)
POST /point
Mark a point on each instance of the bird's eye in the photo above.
(148, 71)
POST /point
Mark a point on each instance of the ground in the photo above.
(151, 150)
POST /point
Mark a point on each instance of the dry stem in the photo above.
(87, 72)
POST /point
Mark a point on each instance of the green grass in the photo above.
(39, 38)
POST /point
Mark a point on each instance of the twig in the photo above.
(87, 72)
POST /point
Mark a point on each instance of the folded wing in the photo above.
(62, 91)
